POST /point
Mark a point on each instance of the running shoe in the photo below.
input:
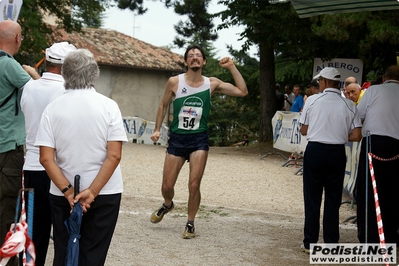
(157, 216)
(189, 231)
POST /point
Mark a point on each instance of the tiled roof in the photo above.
(117, 49)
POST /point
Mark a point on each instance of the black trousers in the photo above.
(323, 168)
(40, 182)
(387, 180)
(98, 225)
(11, 163)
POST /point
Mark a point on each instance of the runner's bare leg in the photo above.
(197, 167)
(171, 170)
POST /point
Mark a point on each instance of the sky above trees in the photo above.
(156, 26)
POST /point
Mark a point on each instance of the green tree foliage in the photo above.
(274, 28)
(89, 15)
(198, 28)
(287, 45)
(70, 15)
(231, 117)
(372, 37)
(133, 5)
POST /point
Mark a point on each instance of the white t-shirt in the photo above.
(329, 117)
(78, 126)
(36, 95)
(379, 108)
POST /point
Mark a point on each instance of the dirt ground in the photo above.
(251, 212)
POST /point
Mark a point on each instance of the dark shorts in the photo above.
(183, 145)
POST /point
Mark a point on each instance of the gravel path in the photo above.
(251, 212)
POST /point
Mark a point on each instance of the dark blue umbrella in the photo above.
(73, 226)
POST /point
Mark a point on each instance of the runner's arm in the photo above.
(163, 106)
(240, 90)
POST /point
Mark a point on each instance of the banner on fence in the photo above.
(139, 130)
(286, 132)
(352, 162)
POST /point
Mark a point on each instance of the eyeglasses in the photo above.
(195, 55)
(22, 37)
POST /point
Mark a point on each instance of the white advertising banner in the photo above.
(352, 162)
(347, 67)
(287, 137)
(9, 9)
(286, 132)
(130, 124)
(139, 130)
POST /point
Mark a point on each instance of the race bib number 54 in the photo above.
(189, 117)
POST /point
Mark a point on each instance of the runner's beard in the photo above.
(195, 69)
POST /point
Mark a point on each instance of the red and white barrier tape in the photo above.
(377, 205)
(16, 243)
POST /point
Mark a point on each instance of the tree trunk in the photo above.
(267, 91)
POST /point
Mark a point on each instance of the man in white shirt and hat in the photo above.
(37, 94)
(328, 121)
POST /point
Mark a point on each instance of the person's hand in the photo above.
(69, 196)
(85, 198)
(155, 136)
(31, 71)
(226, 62)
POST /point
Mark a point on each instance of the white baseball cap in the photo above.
(58, 51)
(329, 73)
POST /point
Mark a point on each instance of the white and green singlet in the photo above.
(191, 107)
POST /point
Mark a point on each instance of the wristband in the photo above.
(66, 189)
